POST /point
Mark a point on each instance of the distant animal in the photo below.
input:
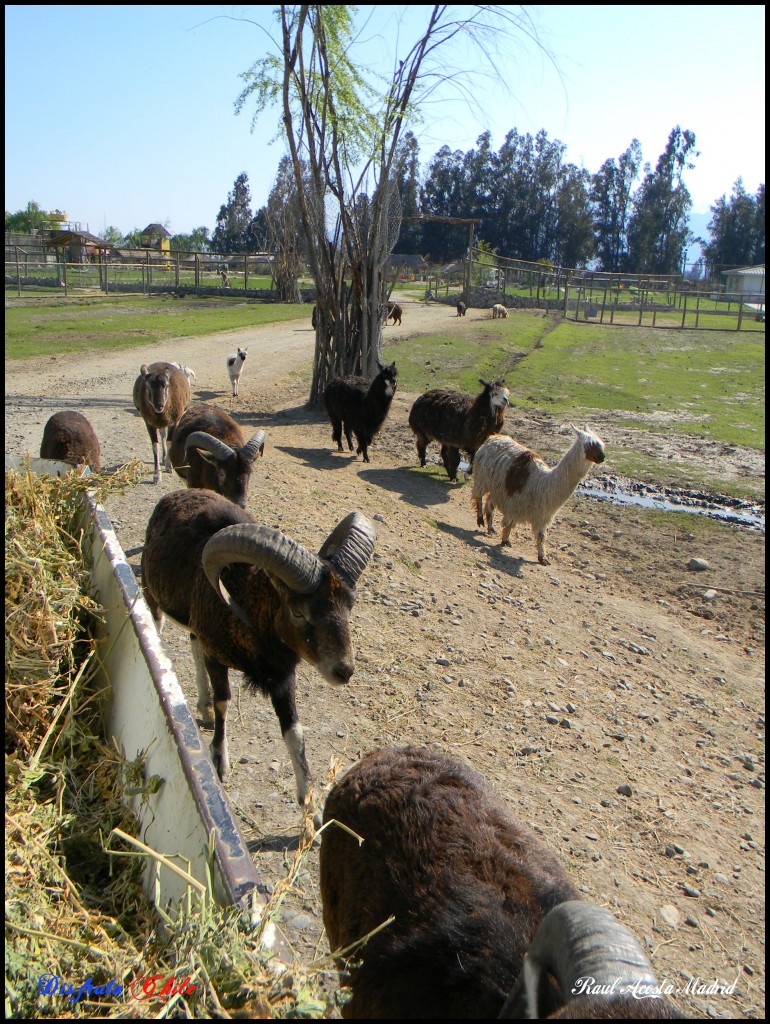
(69, 437)
(511, 477)
(359, 406)
(188, 371)
(461, 309)
(225, 277)
(254, 600)
(207, 448)
(161, 395)
(480, 919)
(235, 363)
(458, 421)
(394, 313)
(499, 310)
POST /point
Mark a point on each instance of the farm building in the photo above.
(77, 246)
(407, 267)
(749, 281)
(155, 236)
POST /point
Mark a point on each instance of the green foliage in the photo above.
(657, 232)
(737, 229)
(233, 230)
(353, 105)
(31, 218)
(710, 384)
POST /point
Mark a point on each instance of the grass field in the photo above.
(706, 383)
(709, 383)
(51, 327)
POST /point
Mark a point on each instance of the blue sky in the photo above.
(123, 115)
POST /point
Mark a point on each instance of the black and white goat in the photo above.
(486, 922)
(235, 363)
(161, 395)
(511, 477)
(458, 421)
(209, 449)
(359, 406)
(256, 601)
(69, 437)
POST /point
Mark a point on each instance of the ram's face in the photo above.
(157, 389)
(317, 626)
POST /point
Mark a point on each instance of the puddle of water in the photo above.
(619, 491)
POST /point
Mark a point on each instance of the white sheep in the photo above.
(518, 482)
(235, 363)
(499, 310)
(186, 370)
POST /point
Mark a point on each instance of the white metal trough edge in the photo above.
(148, 715)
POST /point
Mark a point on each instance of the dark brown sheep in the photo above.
(69, 437)
(480, 919)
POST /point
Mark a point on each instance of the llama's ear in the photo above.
(574, 428)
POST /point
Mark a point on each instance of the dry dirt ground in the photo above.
(619, 713)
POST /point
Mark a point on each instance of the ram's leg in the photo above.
(205, 707)
(220, 684)
(162, 431)
(285, 705)
(153, 432)
(337, 433)
(349, 437)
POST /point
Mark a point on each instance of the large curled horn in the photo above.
(349, 546)
(577, 940)
(254, 446)
(213, 445)
(262, 546)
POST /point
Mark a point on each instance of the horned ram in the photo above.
(209, 449)
(253, 600)
(480, 919)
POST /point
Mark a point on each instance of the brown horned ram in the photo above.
(256, 601)
(481, 920)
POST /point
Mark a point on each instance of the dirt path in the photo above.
(562, 684)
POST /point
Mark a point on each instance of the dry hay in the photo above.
(74, 910)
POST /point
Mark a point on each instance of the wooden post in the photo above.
(18, 271)
(604, 303)
(245, 272)
(684, 308)
(64, 276)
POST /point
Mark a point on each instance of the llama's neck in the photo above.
(565, 476)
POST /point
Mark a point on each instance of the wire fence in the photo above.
(670, 301)
(649, 300)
